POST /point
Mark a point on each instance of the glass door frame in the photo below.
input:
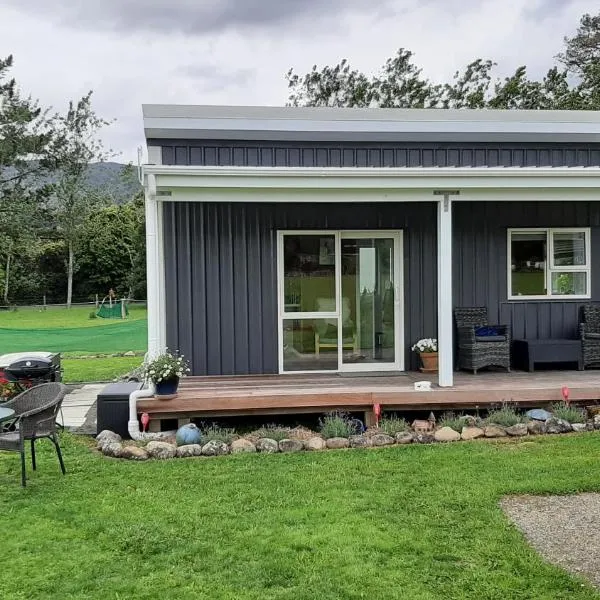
(397, 237)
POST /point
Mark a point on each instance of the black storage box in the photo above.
(113, 407)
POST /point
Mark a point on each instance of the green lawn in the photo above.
(72, 333)
(98, 369)
(417, 522)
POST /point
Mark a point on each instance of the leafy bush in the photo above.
(93, 315)
(214, 432)
(506, 416)
(393, 425)
(337, 424)
(452, 420)
(568, 413)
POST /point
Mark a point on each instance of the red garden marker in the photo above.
(145, 420)
(565, 393)
(377, 411)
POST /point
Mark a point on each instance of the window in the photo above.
(548, 263)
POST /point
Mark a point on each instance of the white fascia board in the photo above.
(393, 180)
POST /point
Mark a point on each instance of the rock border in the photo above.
(111, 444)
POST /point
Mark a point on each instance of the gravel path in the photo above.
(565, 530)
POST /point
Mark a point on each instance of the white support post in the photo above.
(152, 267)
(444, 268)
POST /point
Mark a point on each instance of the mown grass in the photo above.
(71, 331)
(98, 369)
(415, 522)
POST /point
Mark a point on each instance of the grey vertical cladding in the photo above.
(322, 154)
(221, 280)
(481, 263)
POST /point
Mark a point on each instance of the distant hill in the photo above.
(109, 177)
(116, 180)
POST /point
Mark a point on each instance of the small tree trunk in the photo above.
(7, 277)
(70, 275)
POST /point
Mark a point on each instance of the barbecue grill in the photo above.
(32, 369)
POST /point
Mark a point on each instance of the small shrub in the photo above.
(568, 413)
(336, 424)
(214, 432)
(393, 425)
(506, 416)
(452, 420)
(274, 432)
(93, 315)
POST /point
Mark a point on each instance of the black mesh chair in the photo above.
(477, 349)
(589, 331)
(35, 418)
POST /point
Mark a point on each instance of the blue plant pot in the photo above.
(168, 388)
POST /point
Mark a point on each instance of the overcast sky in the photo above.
(237, 51)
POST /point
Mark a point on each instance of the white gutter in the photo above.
(133, 425)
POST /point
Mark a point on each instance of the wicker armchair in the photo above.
(35, 418)
(589, 331)
(478, 351)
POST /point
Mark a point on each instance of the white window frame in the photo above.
(549, 262)
(282, 315)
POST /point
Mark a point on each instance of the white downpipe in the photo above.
(152, 267)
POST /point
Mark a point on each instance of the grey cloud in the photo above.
(213, 77)
(188, 16)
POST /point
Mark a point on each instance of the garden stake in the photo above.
(145, 420)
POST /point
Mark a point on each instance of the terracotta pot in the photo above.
(429, 360)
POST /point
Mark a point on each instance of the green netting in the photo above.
(121, 336)
(106, 311)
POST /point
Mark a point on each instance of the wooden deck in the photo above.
(280, 394)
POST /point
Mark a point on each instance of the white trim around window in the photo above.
(549, 267)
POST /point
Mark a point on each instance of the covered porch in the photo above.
(212, 397)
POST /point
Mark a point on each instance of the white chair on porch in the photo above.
(326, 329)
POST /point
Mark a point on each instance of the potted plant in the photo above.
(427, 350)
(164, 372)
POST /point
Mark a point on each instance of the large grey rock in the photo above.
(494, 431)
(113, 449)
(134, 453)
(161, 450)
(215, 448)
(382, 439)
(469, 421)
(289, 445)
(538, 414)
(471, 433)
(188, 450)
(404, 437)
(359, 441)
(315, 443)
(518, 430)
(554, 425)
(337, 442)
(107, 437)
(536, 427)
(242, 445)
(424, 438)
(579, 427)
(446, 434)
(267, 445)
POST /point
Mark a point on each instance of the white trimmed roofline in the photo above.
(419, 178)
(165, 121)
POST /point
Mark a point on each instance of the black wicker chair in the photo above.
(589, 331)
(35, 418)
(477, 351)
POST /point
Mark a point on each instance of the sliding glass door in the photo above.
(340, 301)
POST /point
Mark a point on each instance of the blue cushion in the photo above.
(490, 338)
(487, 331)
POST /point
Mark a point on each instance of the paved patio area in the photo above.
(79, 409)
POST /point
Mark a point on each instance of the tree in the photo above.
(75, 146)
(401, 84)
(25, 134)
